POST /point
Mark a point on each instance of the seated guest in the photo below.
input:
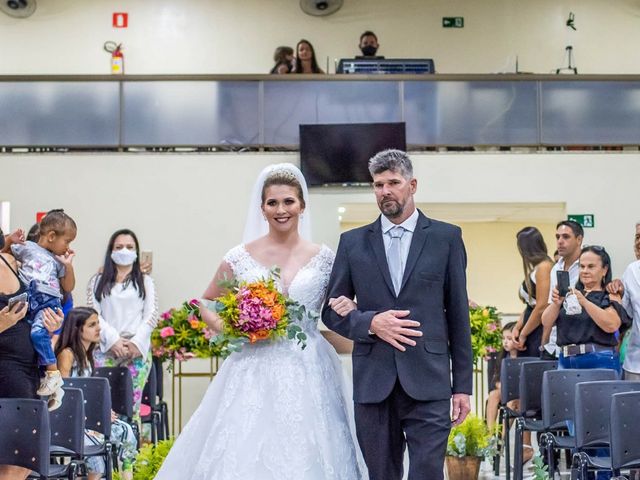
(283, 60)
(369, 45)
(508, 351)
(588, 317)
(80, 337)
(306, 58)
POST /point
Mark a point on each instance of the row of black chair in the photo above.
(31, 436)
(549, 400)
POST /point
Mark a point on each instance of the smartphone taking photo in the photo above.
(563, 282)
(146, 258)
(22, 298)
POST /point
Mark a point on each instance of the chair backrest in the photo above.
(159, 377)
(25, 434)
(97, 401)
(593, 409)
(510, 378)
(67, 422)
(559, 392)
(150, 392)
(625, 447)
(531, 386)
(121, 388)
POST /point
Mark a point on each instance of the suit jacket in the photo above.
(433, 290)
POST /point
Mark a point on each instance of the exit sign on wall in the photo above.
(587, 220)
(452, 22)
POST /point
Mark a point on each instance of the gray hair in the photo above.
(394, 160)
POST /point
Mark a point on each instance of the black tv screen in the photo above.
(339, 153)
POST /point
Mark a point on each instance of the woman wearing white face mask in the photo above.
(126, 302)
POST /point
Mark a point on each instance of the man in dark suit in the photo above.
(410, 327)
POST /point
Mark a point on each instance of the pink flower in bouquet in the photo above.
(208, 333)
(167, 332)
(492, 327)
(166, 315)
(491, 349)
(254, 315)
(195, 302)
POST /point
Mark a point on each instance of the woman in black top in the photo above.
(19, 376)
(537, 266)
(587, 334)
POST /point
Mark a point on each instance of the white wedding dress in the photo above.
(274, 411)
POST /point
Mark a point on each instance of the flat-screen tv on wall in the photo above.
(338, 154)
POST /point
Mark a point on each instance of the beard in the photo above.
(391, 208)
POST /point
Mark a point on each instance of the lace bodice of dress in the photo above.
(307, 287)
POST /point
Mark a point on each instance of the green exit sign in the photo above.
(587, 220)
(452, 22)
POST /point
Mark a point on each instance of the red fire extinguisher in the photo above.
(117, 57)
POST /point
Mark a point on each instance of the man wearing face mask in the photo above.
(369, 45)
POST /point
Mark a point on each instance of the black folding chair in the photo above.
(530, 418)
(162, 405)
(67, 426)
(592, 417)
(149, 398)
(121, 385)
(25, 438)
(558, 406)
(623, 434)
(509, 390)
(97, 399)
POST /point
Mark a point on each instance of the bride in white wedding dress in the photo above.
(274, 411)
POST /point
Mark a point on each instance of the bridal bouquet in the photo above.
(256, 311)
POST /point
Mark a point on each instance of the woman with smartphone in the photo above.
(19, 375)
(125, 299)
(587, 316)
(537, 267)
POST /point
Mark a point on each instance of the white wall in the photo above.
(230, 36)
(190, 208)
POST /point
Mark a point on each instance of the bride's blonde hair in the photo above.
(283, 177)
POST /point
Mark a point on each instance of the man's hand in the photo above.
(134, 351)
(52, 320)
(460, 408)
(120, 349)
(556, 298)
(393, 328)
(615, 287)
(67, 258)
(342, 305)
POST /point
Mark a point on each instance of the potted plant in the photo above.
(468, 444)
(148, 461)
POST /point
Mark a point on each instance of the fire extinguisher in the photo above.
(117, 57)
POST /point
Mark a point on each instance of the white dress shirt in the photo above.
(124, 313)
(409, 226)
(631, 303)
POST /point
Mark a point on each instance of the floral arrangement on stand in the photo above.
(486, 331)
(181, 334)
(254, 312)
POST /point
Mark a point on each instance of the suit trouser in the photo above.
(384, 430)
